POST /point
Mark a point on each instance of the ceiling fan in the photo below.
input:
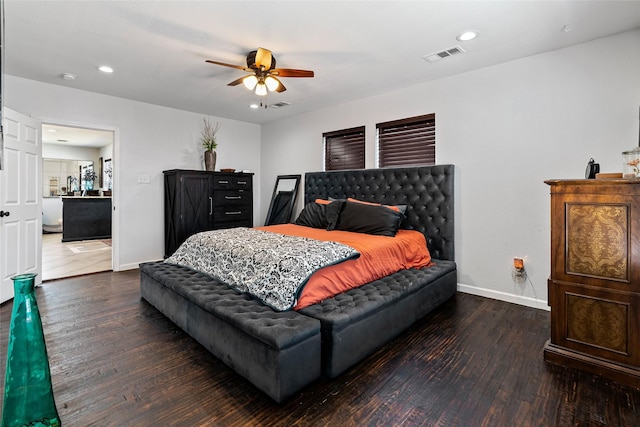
(265, 76)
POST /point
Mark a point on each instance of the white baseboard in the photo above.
(503, 296)
(133, 266)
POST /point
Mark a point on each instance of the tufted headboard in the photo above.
(426, 190)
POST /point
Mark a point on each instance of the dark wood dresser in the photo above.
(197, 201)
(594, 288)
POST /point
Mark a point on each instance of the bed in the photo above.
(281, 352)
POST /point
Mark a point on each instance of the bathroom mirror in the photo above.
(283, 199)
(62, 176)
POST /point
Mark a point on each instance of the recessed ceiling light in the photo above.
(105, 69)
(254, 106)
(466, 36)
(68, 76)
(52, 130)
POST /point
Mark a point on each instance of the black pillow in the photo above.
(317, 215)
(369, 219)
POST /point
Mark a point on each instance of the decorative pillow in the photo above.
(398, 208)
(369, 219)
(318, 215)
(328, 200)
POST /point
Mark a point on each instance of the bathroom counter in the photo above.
(86, 218)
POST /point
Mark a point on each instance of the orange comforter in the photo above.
(379, 257)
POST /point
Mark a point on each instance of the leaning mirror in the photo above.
(283, 200)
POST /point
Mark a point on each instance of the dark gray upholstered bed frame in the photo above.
(282, 352)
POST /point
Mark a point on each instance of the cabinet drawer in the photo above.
(231, 198)
(222, 182)
(231, 214)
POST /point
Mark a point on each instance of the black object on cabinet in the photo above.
(197, 201)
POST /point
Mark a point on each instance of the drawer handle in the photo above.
(233, 197)
(223, 182)
(242, 182)
(233, 213)
(210, 205)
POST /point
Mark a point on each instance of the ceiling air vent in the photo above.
(279, 104)
(437, 56)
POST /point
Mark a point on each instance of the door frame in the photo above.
(115, 195)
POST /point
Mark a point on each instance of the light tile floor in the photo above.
(73, 258)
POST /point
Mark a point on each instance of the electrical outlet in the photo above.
(518, 273)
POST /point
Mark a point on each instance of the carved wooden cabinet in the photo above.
(197, 201)
(594, 288)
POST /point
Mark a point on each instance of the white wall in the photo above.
(507, 128)
(148, 140)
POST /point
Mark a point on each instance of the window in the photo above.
(405, 142)
(344, 149)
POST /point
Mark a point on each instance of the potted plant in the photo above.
(209, 144)
(88, 178)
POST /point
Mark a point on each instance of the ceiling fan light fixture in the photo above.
(272, 83)
(250, 82)
(261, 89)
(263, 74)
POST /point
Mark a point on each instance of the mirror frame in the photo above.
(282, 202)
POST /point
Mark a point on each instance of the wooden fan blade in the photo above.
(280, 87)
(263, 58)
(289, 72)
(237, 67)
(236, 82)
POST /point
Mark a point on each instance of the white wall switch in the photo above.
(144, 179)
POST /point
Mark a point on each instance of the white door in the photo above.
(20, 201)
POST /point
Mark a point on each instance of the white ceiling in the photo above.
(74, 136)
(356, 48)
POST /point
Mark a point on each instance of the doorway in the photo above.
(77, 190)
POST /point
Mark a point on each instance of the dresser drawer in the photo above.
(231, 198)
(232, 182)
(232, 214)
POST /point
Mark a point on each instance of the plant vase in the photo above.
(28, 393)
(210, 160)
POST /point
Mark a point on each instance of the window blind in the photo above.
(344, 149)
(410, 141)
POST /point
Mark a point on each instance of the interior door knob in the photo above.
(3, 213)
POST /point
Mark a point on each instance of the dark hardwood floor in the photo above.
(116, 361)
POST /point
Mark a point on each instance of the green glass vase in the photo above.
(28, 394)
